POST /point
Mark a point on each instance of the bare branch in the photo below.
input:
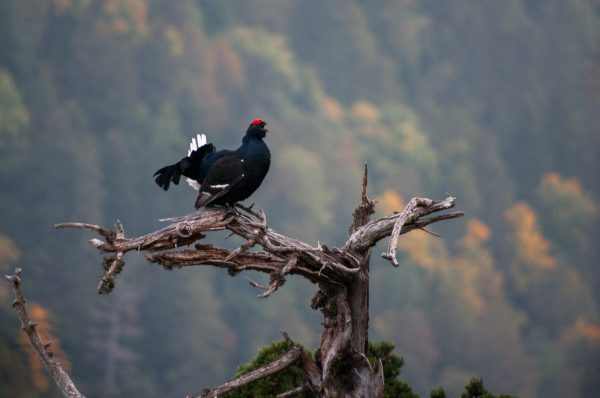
(430, 220)
(254, 283)
(266, 370)
(58, 374)
(430, 233)
(368, 235)
(107, 282)
(276, 281)
(183, 231)
(114, 267)
(245, 246)
(415, 208)
(215, 256)
(292, 393)
(278, 278)
(92, 227)
(188, 229)
(286, 336)
(408, 214)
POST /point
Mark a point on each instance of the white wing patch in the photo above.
(220, 186)
(196, 143)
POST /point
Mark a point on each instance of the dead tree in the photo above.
(340, 367)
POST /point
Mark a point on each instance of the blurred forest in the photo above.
(496, 102)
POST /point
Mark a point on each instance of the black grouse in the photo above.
(222, 177)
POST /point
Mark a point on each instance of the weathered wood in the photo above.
(184, 231)
(368, 235)
(58, 374)
(346, 316)
(366, 208)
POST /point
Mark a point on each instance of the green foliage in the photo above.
(392, 365)
(475, 389)
(438, 393)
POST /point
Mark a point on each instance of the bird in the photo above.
(223, 177)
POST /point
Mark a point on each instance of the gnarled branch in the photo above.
(342, 275)
(319, 264)
(400, 223)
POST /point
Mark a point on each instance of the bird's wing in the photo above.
(226, 173)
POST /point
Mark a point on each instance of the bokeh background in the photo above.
(495, 102)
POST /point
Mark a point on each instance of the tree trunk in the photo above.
(345, 336)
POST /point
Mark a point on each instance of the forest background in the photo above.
(496, 102)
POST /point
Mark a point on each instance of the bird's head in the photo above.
(257, 129)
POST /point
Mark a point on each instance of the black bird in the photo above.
(222, 177)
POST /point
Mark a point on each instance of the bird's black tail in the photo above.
(164, 176)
